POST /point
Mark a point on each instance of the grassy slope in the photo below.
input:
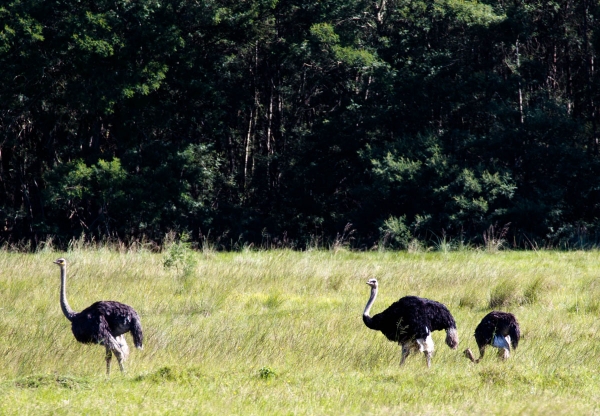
(295, 318)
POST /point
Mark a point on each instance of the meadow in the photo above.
(280, 332)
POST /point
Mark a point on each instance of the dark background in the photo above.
(300, 123)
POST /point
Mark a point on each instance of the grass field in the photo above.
(280, 332)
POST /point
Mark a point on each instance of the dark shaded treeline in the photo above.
(283, 121)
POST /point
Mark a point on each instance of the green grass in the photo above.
(280, 332)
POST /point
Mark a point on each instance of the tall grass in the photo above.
(280, 332)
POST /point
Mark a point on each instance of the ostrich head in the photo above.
(61, 262)
(373, 283)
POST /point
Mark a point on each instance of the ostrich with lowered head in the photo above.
(103, 323)
(498, 329)
(410, 322)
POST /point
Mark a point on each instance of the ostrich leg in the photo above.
(405, 352)
(481, 352)
(108, 359)
(119, 353)
(113, 347)
(426, 345)
(123, 346)
(121, 359)
(428, 358)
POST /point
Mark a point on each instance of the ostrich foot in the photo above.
(469, 354)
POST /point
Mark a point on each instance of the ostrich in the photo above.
(410, 321)
(498, 329)
(102, 323)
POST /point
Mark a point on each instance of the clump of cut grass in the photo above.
(49, 380)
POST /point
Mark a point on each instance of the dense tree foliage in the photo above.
(282, 121)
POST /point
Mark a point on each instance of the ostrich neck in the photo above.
(366, 317)
(69, 313)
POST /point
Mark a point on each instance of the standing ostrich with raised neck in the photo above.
(498, 329)
(103, 323)
(410, 322)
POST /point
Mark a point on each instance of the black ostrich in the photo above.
(410, 321)
(498, 329)
(102, 323)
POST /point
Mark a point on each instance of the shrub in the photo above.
(266, 373)
(395, 233)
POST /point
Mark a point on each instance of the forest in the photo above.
(288, 123)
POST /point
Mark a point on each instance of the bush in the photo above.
(395, 233)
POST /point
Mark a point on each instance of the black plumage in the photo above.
(103, 323)
(104, 319)
(498, 329)
(410, 322)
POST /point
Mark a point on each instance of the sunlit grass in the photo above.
(280, 332)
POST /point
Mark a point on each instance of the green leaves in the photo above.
(95, 35)
(76, 181)
(398, 170)
(324, 33)
(353, 57)
(88, 193)
(467, 12)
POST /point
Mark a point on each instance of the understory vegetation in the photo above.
(280, 332)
